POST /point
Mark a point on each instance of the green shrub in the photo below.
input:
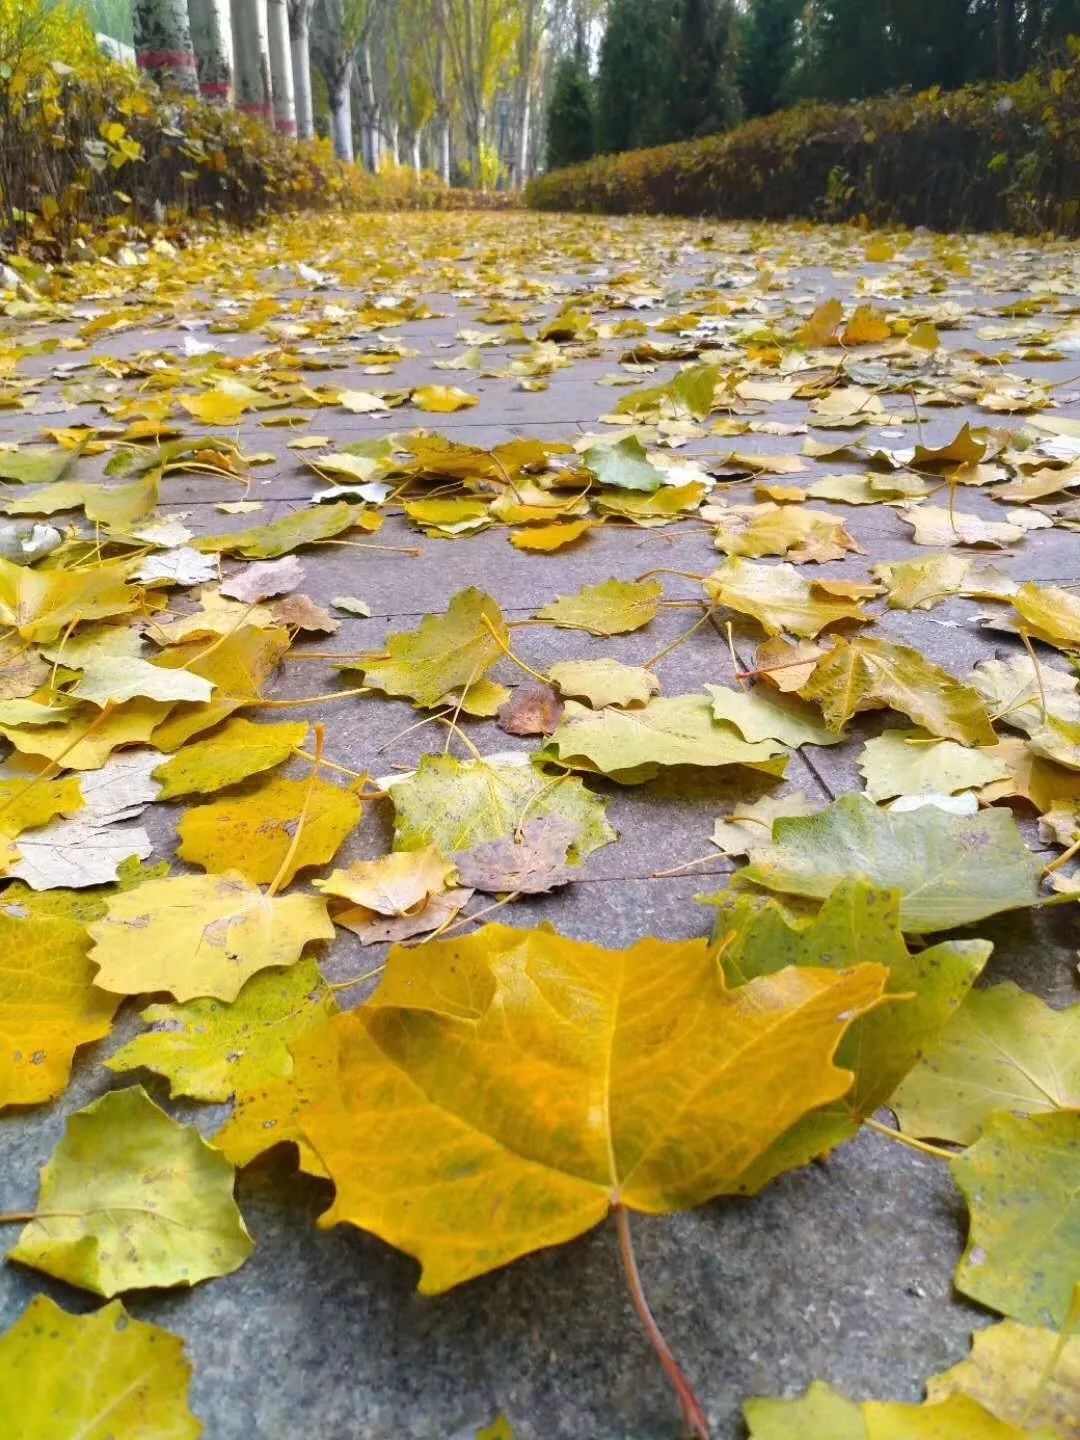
(997, 157)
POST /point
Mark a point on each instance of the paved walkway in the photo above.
(840, 1271)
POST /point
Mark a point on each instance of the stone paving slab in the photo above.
(841, 1270)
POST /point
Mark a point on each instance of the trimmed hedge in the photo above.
(997, 157)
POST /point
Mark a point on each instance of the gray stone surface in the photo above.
(840, 1271)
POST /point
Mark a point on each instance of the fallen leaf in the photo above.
(536, 710)
(394, 884)
(865, 674)
(71, 1375)
(1021, 1180)
(623, 465)
(302, 527)
(48, 1005)
(604, 682)
(114, 679)
(208, 1050)
(253, 833)
(457, 804)
(531, 865)
(778, 598)
(232, 753)
(131, 1199)
(552, 1109)
(632, 746)
(200, 935)
(448, 652)
(1003, 1050)
(263, 579)
(551, 537)
(1023, 1374)
(759, 714)
(910, 762)
(950, 869)
(614, 608)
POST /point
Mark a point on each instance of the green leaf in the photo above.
(303, 527)
(950, 869)
(634, 745)
(456, 804)
(450, 652)
(910, 762)
(764, 714)
(1003, 1050)
(36, 466)
(922, 584)
(614, 608)
(116, 678)
(131, 1199)
(864, 674)
(623, 465)
(1022, 1184)
(210, 1051)
(103, 1376)
(856, 924)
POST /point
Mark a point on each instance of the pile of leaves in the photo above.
(503, 1088)
(988, 157)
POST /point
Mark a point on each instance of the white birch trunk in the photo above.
(281, 68)
(415, 152)
(444, 148)
(251, 51)
(300, 38)
(211, 36)
(340, 93)
(163, 46)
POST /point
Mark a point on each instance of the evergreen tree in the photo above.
(632, 75)
(570, 115)
(700, 92)
(767, 54)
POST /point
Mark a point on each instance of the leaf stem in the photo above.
(312, 699)
(695, 1426)
(510, 654)
(290, 854)
(938, 1151)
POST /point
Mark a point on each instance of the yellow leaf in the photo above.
(215, 407)
(253, 833)
(103, 1376)
(442, 399)
(235, 751)
(200, 935)
(48, 1005)
(868, 326)
(83, 748)
(394, 884)
(613, 608)
(132, 1199)
(447, 652)
(39, 604)
(239, 668)
(564, 1078)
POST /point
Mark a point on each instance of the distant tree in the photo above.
(631, 77)
(701, 96)
(767, 54)
(570, 115)
(847, 50)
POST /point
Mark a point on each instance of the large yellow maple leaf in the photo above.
(502, 1092)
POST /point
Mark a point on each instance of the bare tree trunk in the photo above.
(281, 69)
(339, 88)
(211, 36)
(163, 47)
(524, 124)
(369, 124)
(444, 147)
(300, 36)
(414, 152)
(251, 52)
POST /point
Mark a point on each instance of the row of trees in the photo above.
(416, 80)
(675, 69)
